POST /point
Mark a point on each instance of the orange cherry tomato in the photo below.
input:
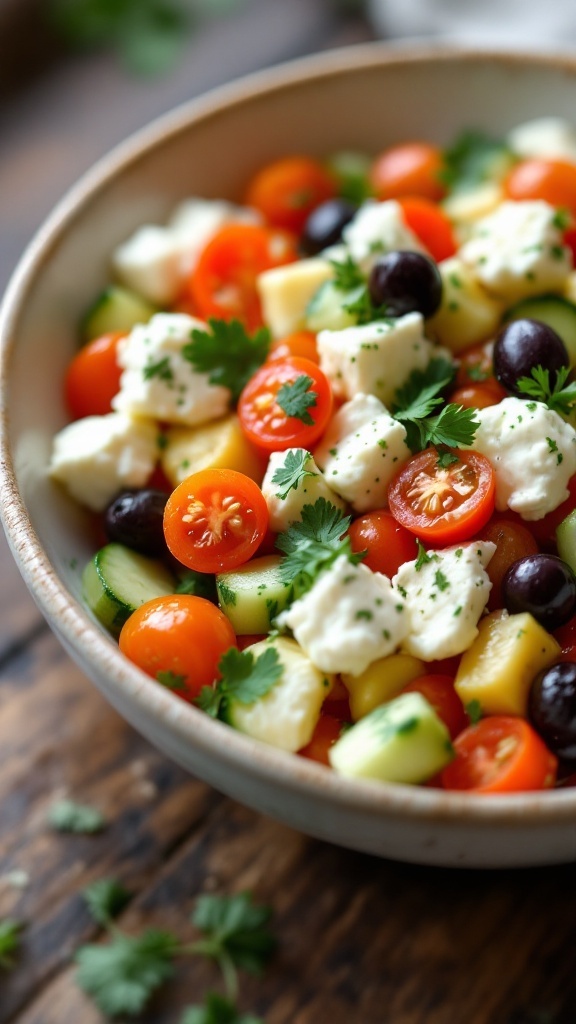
(443, 505)
(179, 641)
(223, 282)
(93, 377)
(287, 403)
(300, 343)
(387, 543)
(287, 190)
(513, 541)
(327, 731)
(479, 396)
(432, 226)
(440, 693)
(410, 169)
(554, 181)
(500, 754)
(215, 520)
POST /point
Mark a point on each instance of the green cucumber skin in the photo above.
(566, 540)
(117, 580)
(555, 311)
(115, 310)
(252, 596)
(326, 312)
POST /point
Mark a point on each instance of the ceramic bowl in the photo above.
(359, 98)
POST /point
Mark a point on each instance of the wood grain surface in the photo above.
(360, 939)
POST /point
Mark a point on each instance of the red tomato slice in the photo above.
(432, 226)
(286, 404)
(440, 693)
(215, 520)
(327, 731)
(287, 190)
(443, 506)
(223, 282)
(500, 754)
(93, 377)
(387, 543)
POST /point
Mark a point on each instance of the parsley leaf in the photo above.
(313, 543)
(171, 680)
(122, 975)
(244, 678)
(350, 279)
(68, 816)
(217, 1010)
(227, 353)
(473, 159)
(419, 396)
(9, 941)
(105, 899)
(289, 475)
(296, 398)
(421, 392)
(200, 584)
(474, 711)
(559, 398)
(347, 274)
(455, 426)
(423, 557)
(446, 459)
(235, 934)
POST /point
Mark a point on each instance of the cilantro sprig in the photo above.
(296, 398)
(9, 941)
(353, 282)
(419, 397)
(292, 472)
(244, 678)
(217, 1010)
(313, 543)
(69, 816)
(559, 396)
(227, 353)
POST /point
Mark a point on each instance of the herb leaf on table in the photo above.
(9, 941)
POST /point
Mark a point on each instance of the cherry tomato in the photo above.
(327, 731)
(287, 190)
(570, 241)
(411, 169)
(440, 693)
(443, 505)
(93, 377)
(337, 703)
(223, 282)
(215, 520)
(513, 541)
(500, 754)
(554, 181)
(179, 641)
(479, 396)
(300, 343)
(476, 365)
(286, 404)
(544, 529)
(432, 226)
(388, 543)
(248, 639)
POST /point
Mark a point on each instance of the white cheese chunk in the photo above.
(157, 381)
(518, 250)
(533, 453)
(550, 137)
(285, 292)
(377, 228)
(375, 358)
(349, 618)
(362, 449)
(98, 456)
(195, 221)
(286, 507)
(444, 598)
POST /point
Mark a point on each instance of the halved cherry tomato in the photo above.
(215, 520)
(266, 405)
(93, 377)
(179, 641)
(223, 282)
(443, 505)
(387, 543)
(513, 541)
(432, 226)
(500, 754)
(300, 343)
(327, 731)
(287, 190)
(410, 169)
(440, 693)
(479, 396)
(554, 181)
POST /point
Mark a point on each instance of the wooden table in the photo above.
(361, 940)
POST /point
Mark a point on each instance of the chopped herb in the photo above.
(364, 613)
(294, 470)
(441, 581)
(423, 557)
(296, 398)
(226, 594)
(474, 711)
(9, 941)
(227, 353)
(417, 399)
(552, 445)
(200, 584)
(561, 219)
(161, 369)
(446, 459)
(171, 680)
(347, 274)
(476, 373)
(313, 543)
(244, 678)
(560, 398)
(68, 816)
(457, 611)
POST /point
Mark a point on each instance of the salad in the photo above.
(328, 435)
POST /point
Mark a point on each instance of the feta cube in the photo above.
(377, 228)
(149, 264)
(158, 381)
(286, 507)
(362, 449)
(533, 453)
(445, 594)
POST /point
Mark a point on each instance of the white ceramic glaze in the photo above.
(358, 98)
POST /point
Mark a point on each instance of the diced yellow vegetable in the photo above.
(286, 291)
(217, 445)
(382, 681)
(467, 315)
(498, 669)
(464, 208)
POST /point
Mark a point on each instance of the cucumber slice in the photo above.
(325, 310)
(253, 595)
(118, 580)
(566, 539)
(401, 741)
(553, 310)
(116, 309)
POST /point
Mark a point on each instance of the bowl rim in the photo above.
(79, 632)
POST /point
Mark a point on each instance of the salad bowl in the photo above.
(361, 99)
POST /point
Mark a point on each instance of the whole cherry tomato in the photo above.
(93, 377)
(387, 543)
(287, 190)
(410, 169)
(554, 181)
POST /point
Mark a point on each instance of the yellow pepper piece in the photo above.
(219, 444)
(382, 681)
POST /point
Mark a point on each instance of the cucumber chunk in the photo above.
(116, 309)
(253, 595)
(325, 311)
(553, 310)
(566, 539)
(118, 580)
(401, 741)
